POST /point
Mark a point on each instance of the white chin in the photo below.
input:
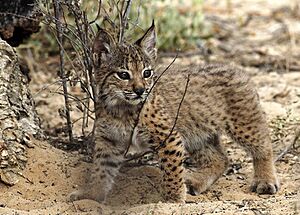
(135, 101)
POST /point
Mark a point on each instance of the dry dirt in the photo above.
(266, 47)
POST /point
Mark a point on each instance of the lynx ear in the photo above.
(148, 42)
(103, 44)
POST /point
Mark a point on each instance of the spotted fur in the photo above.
(202, 102)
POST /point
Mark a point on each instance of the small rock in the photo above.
(3, 164)
(18, 150)
(4, 154)
(13, 159)
(240, 177)
(28, 140)
(9, 177)
(22, 158)
(9, 135)
(8, 123)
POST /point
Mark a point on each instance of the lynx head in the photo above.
(125, 72)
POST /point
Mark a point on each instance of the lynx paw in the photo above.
(80, 194)
(262, 186)
(197, 183)
(76, 195)
(173, 199)
(173, 196)
(192, 187)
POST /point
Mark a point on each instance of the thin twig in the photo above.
(76, 120)
(98, 12)
(57, 12)
(83, 28)
(74, 206)
(171, 131)
(26, 178)
(80, 45)
(140, 155)
(45, 87)
(85, 88)
(178, 110)
(138, 117)
(76, 99)
(289, 147)
(138, 13)
(124, 20)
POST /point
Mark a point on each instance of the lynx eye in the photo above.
(123, 75)
(147, 73)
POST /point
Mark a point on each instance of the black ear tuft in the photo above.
(98, 27)
(148, 42)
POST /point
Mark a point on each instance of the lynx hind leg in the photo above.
(206, 163)
(248, 127)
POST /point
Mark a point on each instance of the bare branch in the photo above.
(83, 29)
(137, 156)
(98, 12)
(139, 13)
(138, 117)
(178, 110)
(124, 20)
(57, 12)
(77, 100)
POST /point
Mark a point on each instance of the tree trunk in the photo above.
(18, 20)
(19, 122)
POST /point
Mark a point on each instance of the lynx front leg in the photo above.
(107, 160)
(171, 157)
(155, 128)
(170, 150)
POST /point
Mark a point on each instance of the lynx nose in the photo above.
(139, 91)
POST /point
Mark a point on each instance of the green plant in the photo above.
(179, 23)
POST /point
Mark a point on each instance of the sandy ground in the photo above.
(51, 173)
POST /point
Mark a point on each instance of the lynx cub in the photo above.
(218, 100)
